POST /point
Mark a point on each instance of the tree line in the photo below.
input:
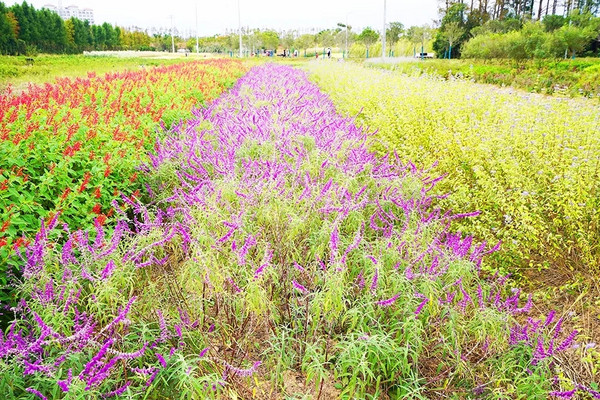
(26, 30)
(518, 29)
(341, 36)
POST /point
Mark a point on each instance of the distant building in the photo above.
(84, 14)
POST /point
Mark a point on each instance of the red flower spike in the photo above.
(86, 180)
(65, 193)
(5, 225)
(100, 219)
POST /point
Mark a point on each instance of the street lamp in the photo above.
(240, 26)
(197, 44)
(172, 38)
(347, 28)
(383, 35)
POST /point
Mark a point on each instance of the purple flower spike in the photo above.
(563, 395)
(299, 267)
(567, 342)
(108, 270)
(161, 360)
(299, 287)
(37, 393)
(388, 302)
(420, 307)
(64, 384)
(243, 372)
(375, 280)
(118, 391)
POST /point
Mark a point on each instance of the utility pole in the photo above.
(383, 34)
(240, 26)
(347, 35)
(197, 45)
(345, 26)
(172, 38)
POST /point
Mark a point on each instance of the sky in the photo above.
(217, 16)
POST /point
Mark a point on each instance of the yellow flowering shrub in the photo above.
(529, 162)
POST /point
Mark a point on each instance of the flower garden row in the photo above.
(275, 242)
(72, 146)
(530, 163)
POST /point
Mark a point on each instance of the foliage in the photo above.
(574, 39)
(269, 39)
(453, 31)
(73, 147)
(304, 41)
(419, 35)
(276, 242)
(394, 32)
(26, 31)
(368, 36)
(563, 77)
(18, 72)
(553, 22)
(534, 40)
(326, 38)
(529, 163)
(516, 23)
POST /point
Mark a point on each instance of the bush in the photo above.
(534, 41)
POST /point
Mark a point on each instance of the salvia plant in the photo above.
(274, 242)
(72, 147)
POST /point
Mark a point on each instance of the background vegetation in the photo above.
(18, 72)
(579, 77)
(518, 29)
(529, 163)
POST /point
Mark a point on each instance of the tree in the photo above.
(233, 42)
(393, 33)
(413, 34)
(304, 41)
(368, 36)
(14, 24)
(86, 35)
(553, 22)
(326, 38)
(70, 30)
(452, 33)
(99, 37)
(254, 40)
(28, 24)
(110, 36)
(419, 34)
(574, 38)
(288, 40)
(8, 39)
(457, 19)
(270, 40)
(53, 36)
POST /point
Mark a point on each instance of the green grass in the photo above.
(18, 72)
(579, 77)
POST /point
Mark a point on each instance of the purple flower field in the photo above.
(273, 241)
